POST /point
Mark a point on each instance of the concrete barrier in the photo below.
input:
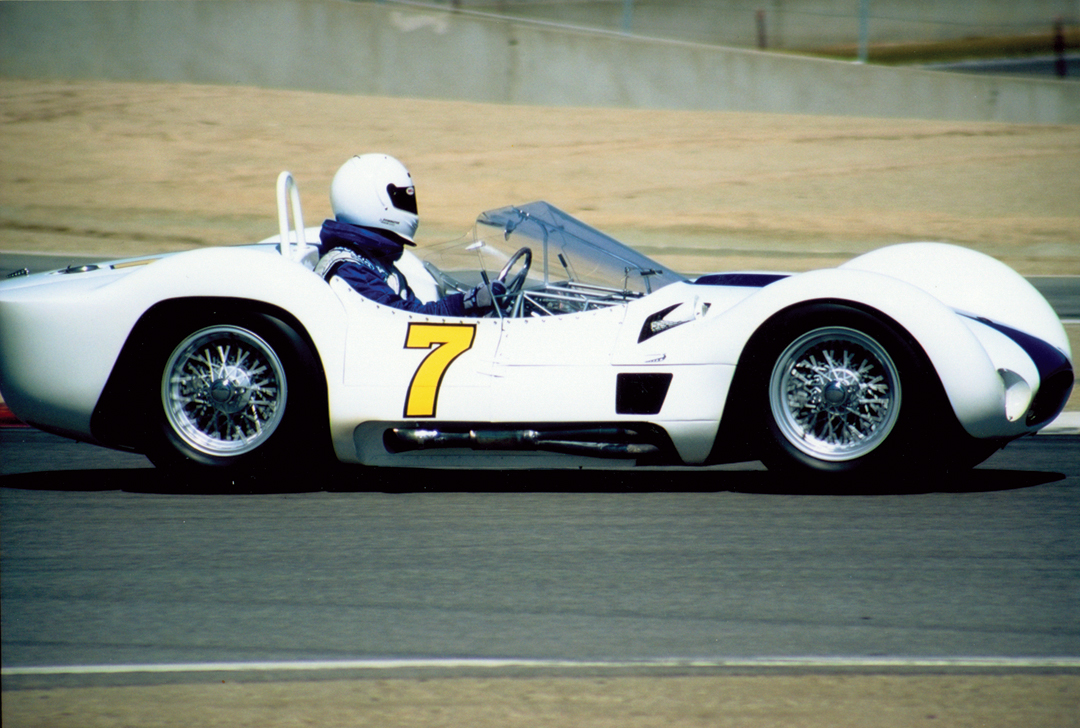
(403, 50)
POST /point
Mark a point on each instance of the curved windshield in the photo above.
(569, 265)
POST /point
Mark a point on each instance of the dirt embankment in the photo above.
(120, 168)
(778, 701)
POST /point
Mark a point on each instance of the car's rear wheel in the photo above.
(841, 391)
(224, 391)
(234, 396)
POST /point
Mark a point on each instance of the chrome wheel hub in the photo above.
(835, 394)
(232, 392)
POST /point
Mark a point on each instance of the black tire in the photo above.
(235, 395)
(838, 391)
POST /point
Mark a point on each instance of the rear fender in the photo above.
(221, 279)
(253, 274)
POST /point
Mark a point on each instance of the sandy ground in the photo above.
(784, 701)
(136, 168)
(124, 169)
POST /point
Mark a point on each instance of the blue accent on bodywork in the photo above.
(745, 280)
(1055, 372)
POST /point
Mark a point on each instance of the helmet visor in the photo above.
(403, 198)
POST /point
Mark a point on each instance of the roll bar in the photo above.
(287, 192)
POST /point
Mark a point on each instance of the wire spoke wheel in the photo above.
(224, 391)
(835, 394)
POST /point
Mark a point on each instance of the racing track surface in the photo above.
(105, 563)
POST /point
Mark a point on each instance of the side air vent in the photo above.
(641, 394)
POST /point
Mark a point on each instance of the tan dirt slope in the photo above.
(777, 701)
(121, 168)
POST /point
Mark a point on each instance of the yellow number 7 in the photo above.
(450, 342)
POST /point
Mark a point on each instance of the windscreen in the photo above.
(565, 249)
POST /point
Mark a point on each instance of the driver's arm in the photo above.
(368, 284)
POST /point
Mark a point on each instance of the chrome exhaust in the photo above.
(612, 442)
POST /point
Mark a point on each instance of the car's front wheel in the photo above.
(841, 391)
(835, 394)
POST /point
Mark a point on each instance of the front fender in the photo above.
(968, 374)
(970, 282)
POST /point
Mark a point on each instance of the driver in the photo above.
(374, 203)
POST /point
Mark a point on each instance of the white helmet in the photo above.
(375, 191)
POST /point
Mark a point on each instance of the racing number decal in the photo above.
(450, 342)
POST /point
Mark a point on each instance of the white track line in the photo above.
(455, 664)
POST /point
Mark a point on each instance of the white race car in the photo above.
(233, 359)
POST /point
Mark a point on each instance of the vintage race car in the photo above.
(230, 359)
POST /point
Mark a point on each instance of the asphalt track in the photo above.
(115, 576)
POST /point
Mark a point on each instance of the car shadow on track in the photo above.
(401, 480)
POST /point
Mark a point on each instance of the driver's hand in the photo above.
(479, 300)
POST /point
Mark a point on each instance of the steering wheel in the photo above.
(514, 286)
(518, 280)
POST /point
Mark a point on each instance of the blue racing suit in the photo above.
(364, 258)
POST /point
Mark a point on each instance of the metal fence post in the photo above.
(864, 30)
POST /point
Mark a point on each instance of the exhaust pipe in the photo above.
(612, 442)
